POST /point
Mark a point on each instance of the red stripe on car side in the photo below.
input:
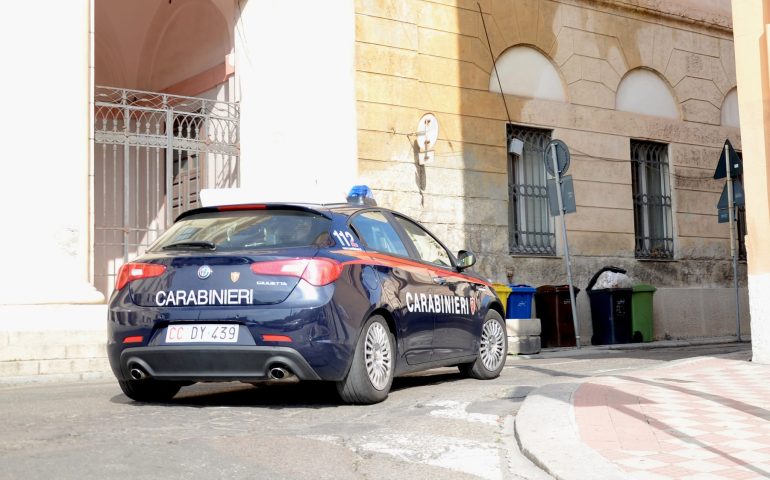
(391, 261)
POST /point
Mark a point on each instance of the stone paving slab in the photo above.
(707, 418)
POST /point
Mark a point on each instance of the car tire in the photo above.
(493, 349)
(371, 372)
(149, 390)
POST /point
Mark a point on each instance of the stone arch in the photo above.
(527, 72)
(730, 109)
(184, 39)
(646, 92)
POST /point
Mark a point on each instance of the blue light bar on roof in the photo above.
(361, 195)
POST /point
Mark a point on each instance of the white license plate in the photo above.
(204, 332)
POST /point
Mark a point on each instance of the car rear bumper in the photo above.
(212, 363)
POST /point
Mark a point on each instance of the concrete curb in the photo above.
(547, 434)
(592, 349)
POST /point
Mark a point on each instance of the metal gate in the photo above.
(153, 153)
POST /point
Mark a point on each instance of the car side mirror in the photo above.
(465, 259)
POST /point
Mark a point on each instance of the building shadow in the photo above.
(622, 402)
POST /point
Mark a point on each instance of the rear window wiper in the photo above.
(191, 244)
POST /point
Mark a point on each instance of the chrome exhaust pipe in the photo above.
(138, 374)
(279, 373)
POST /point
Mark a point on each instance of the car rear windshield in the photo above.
(240, 230)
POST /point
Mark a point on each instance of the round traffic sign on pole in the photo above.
(562, 157)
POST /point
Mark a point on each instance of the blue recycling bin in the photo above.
(520, 301)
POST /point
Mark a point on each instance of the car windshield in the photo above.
(239, 230)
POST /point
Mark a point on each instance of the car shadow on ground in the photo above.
(278, 395)
(429, 378)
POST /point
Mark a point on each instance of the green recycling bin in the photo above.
(641, 313)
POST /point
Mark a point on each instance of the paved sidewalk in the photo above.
(703, 418)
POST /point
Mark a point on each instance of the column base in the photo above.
(45, 292)
(759, 304)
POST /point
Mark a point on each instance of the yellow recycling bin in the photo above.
(502, 291)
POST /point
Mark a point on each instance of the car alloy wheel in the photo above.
(378, 356)
(371, 369)
(492, 348)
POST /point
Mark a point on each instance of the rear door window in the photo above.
(378, 234)
(253, 229)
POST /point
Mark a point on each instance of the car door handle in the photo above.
(439, 280)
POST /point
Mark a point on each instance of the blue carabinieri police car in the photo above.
(347, 293)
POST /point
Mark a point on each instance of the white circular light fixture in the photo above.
(427, 135)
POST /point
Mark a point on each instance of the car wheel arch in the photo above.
(498, 307)
(389, 319)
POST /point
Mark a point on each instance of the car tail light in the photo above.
(315, 271)
(135, 271)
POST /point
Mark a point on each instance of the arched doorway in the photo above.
(165, 121)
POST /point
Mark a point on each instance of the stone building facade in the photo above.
(602, 77)
(330, 94)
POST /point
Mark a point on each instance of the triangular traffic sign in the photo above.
(736, 165)
(739, 198)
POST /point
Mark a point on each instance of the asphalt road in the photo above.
(434, 425)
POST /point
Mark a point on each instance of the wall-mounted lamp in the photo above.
(427, 134)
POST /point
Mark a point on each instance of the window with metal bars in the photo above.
(652, 200)
(530, 227)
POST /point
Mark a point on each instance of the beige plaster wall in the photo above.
(298, 123)
(415, 56)
(751, 19)
(45, 236)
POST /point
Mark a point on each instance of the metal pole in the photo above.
(566, 247)
(126, 175)
(733, 250)
(169, 162)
